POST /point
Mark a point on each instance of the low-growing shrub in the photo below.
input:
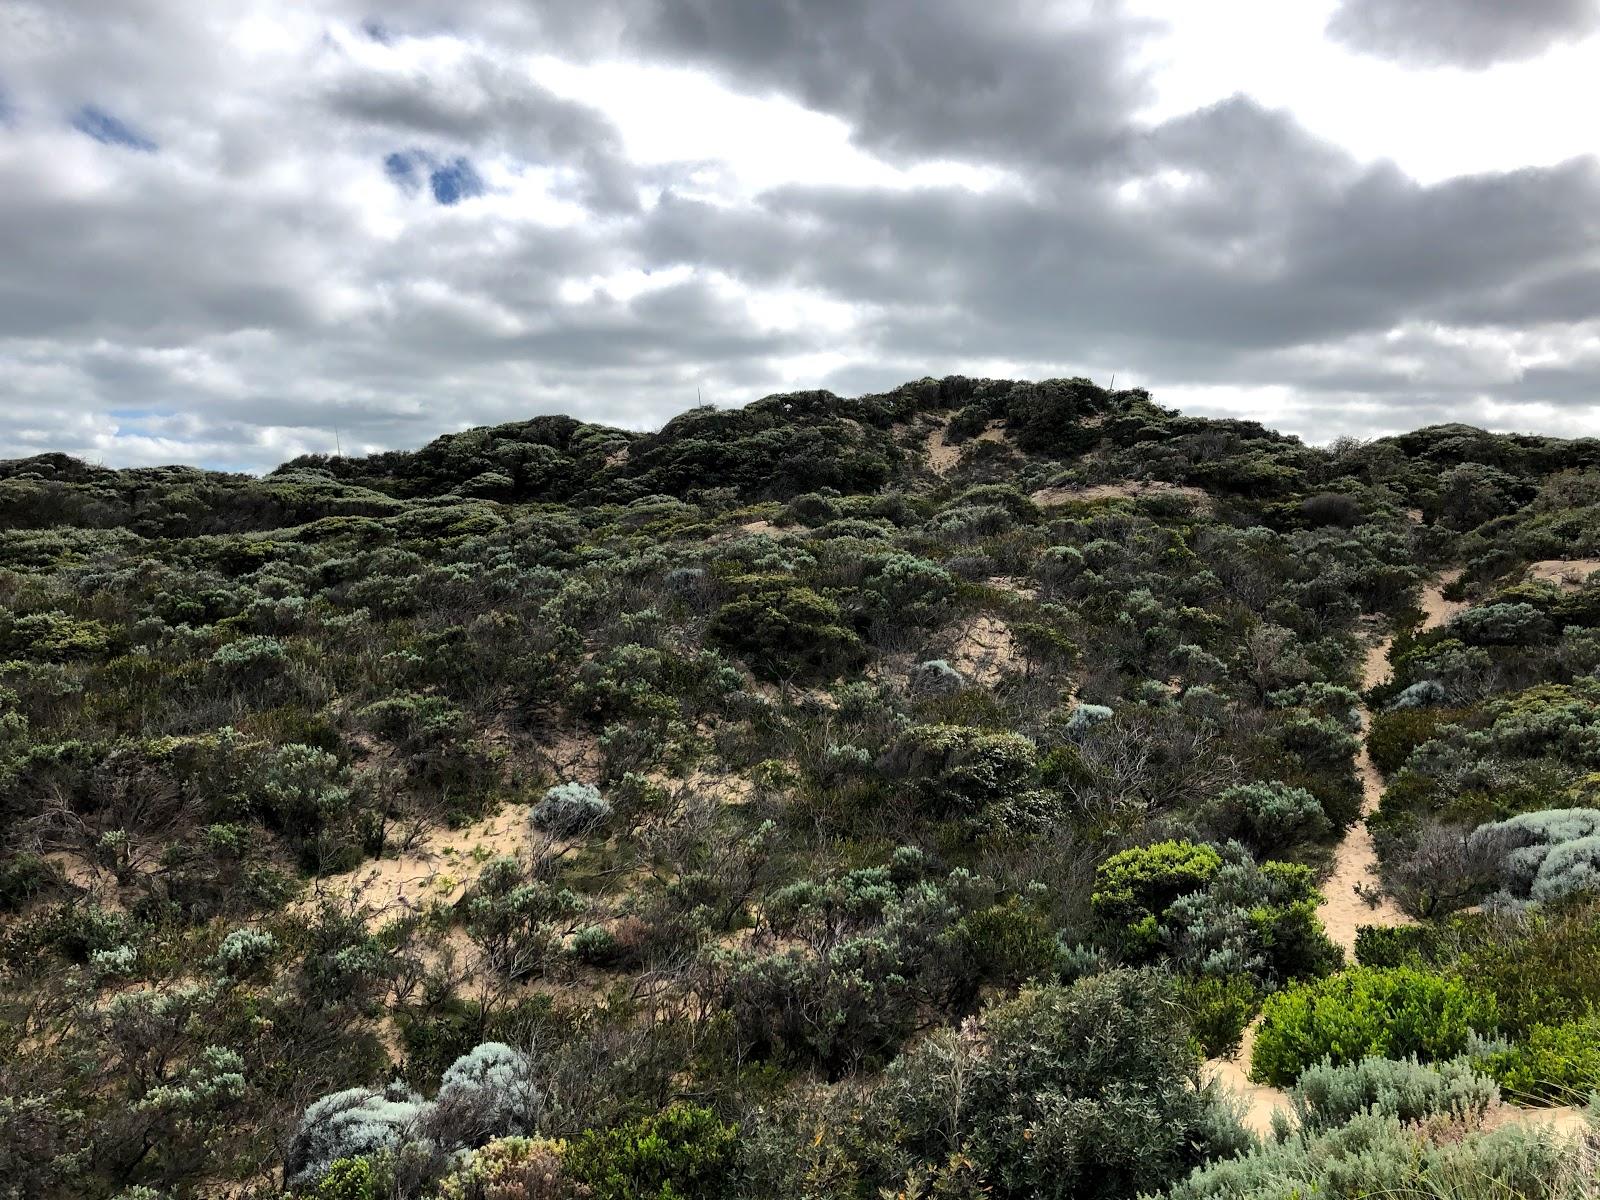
(1393, 1012)
(1327, 1096)
(570, 809)
(681, 1153)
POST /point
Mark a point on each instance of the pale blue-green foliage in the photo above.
(303, 781)
(216, 1078)
(935, 678)
(569, 809)
(249, 655)
(1326, 1096)
(486, 1093)
(1330, 699)
(117, 961)
(1374, 1155)
(350, 1124)
(1423, 694)
(1274, 813)
(243, 950)
(1545, 855)
(910, 588)
(1569, 868)
(1084, 718)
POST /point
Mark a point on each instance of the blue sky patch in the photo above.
(110, 131)
(451, 182)
(455, 181)
(402, 168)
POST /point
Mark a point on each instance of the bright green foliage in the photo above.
(1133, 887)
(1388, 1013)
(1557, 1064)
(351, 1179)
(681, 1153)
(1218, 1009)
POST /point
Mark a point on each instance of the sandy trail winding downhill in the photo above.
(1343, 910)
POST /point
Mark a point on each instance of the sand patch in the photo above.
(1568, 573)
(943, 455)
(1436, 610)
(436, 869)
(984, 649)
(1260, 1100)
(1563, 1120)
(96, 882)
(1017, 585)
(1127, 489)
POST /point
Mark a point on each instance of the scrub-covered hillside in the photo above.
(983, 789)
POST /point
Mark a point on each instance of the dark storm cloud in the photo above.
(1463, 33)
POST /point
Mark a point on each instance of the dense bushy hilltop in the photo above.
(826, 798)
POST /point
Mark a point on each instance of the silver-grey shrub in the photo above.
(488, 1092)
(569, 809)
(352, 1123)
(1327, 1096)
(1544, 855)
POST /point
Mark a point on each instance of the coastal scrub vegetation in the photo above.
(829, 798)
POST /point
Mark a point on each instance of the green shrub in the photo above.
(957, 769)
(1392, 736)
(784, 629)
(1132, 888)
(1218, 1010)
(1543, 967)
(1271, 816)
(22, 877)
(681, 1153)
(1550, 1063)
(1392, 1012)
(1396, 945)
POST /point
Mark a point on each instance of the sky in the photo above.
(231, 233)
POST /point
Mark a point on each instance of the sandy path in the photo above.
(1343, 910)
(1355, 861)
(437, 869)
(1436, 610)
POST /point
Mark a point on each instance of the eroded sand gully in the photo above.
(1344, 910)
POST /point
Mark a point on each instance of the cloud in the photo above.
(1009, 80)
(1461, 33)
(376, 233)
